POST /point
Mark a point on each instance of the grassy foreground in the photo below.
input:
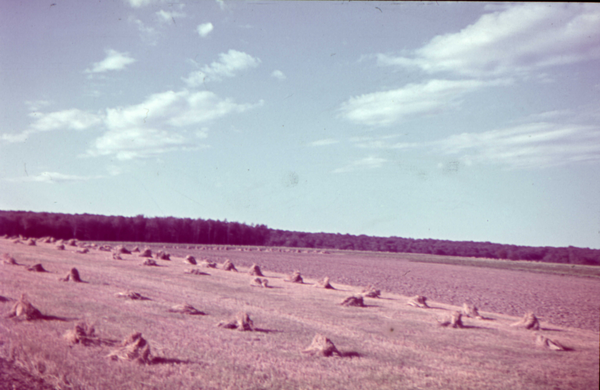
(386, 345)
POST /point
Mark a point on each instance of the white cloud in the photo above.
(519, 39)
(113, 61)
(164, 122)
(370, 162)
(532, 145)
(142, 3)
(169, 16)
(229, 65)
(72, 119)
(36, 105)
(324, 142)
(148, 34)
(278, 75)
(204, 29)
(383, 142)
(52, 177)
(387, 107)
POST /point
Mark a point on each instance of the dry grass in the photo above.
(389, 345)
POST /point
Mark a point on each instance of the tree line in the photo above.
(89, 227)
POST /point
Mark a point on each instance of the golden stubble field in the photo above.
(385, 345)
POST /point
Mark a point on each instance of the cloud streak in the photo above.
(518, 40)
(164, 122)
(533, 145)
(388, 107)
(113, 61)
(229, 65)
(371, 162)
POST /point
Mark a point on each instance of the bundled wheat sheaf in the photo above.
(208, 264)
(82, 333)
(322, 346)
(160, 255)
(544, 342)
(190, 259)
(149, 262)
(146, 253)
(454, 320)
(185, 309)
(258, 282)
(36, 268)
(324, 283)
(529, 321)
(418, 301)
(353, 301)
(60, 247)
(228, 266)
(241, 322)
(194, 271)
(135, 249)
(294, 278)
(72, 276)
(130, 295)
(122, 250)
(31, 242)
(371, 292)
(255, 270)
(83, 250)
(116, 256)
(471, 311)
(23, 309)
(133, 348)
(8, 259)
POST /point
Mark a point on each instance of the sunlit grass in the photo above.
(388, 345)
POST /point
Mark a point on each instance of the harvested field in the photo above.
(384, 345)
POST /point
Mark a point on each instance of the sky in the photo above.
(452, 121)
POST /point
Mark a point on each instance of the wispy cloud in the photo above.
(324, 142)
(72, 119)
(36, 105)
(387, 107)
(52, 177)
(370, 162)
(113, 61)
(278, 75)
(516, 40)
(204, 29)
(164, 122)
(533, 145)
(169, 16)
(142, 3)
(229, 64)
(382, 142)
(149, 35)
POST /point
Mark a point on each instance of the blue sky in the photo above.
(453, 121)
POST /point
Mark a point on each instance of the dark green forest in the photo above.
(88, 227)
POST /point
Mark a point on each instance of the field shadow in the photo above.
(4, 299)
(350, 354)
(45, 317)
(262, 330)
(165, 360)
(552, 330)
